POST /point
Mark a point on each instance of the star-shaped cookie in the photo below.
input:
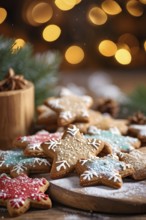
(70, 107)
(67, 151)
(107, 171)
(116, 141)
(138, 160)
(19, 193)
(15, 163)
(32, 144)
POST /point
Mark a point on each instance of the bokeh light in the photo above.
(111, 7)
(131, 41)
(42, 12)
(134, 8)
(37, 13)
(97, 16)
(65, 5)
(123, 56)
(74, 54)
(18, 44)
(144, 45)
(51, 33)
(3, 15)
(107, 48)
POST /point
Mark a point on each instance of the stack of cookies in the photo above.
(91, 144)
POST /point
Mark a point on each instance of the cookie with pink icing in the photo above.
(32, 144)
(138, 131)
(68, 150)
(16, 163)
(21, 193)
(138, 160)
(70, 108)
(106, 170)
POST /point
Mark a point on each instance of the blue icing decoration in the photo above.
(17, 160)
(116, 141)
(108, 167)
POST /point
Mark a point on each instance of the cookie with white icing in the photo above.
(21, 193)
(138, 160)
(15, 163)
(138, 131)
(32, 144)
(107, 171)
(70, 108)
(113, 139)
(67, 151)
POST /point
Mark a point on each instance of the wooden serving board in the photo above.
(129, 199)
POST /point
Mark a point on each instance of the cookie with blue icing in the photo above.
(15, 163)
(107, 171)
(113, 139)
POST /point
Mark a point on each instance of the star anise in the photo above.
(137, 118)
(13, 82)
(107, 105)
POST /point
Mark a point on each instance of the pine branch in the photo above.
(41, 69)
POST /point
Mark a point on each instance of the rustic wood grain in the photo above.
(16, 114)
(130, 199)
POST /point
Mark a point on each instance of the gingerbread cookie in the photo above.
(95, 118)
(22, 192)
(70, 108)
(67, 151)
(32, 144)
(15, 163)
(107, 170)
(47, 118)
(116, 141)
(102, 121)
(138, 131)
(138, 160)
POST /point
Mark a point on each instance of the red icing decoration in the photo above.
(40, 137)
(20, 188)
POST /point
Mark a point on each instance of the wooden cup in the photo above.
(16, 114)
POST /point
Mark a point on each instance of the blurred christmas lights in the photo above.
(74, 54)
(3, 15)
(105, 20)
(111, 7)
(18, 44)
(51, 33)
(107, 48)
(97, 16)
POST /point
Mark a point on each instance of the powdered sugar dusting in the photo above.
(129, 191)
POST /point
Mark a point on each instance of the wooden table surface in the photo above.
(60, 212)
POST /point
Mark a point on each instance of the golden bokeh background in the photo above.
(88, 34)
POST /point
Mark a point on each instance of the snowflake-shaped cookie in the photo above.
(107, 170)
(138, 160)
(70, 107)
(15, 163)
(114, 140)
(20, 193)
(32, 144)
(67, 151)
